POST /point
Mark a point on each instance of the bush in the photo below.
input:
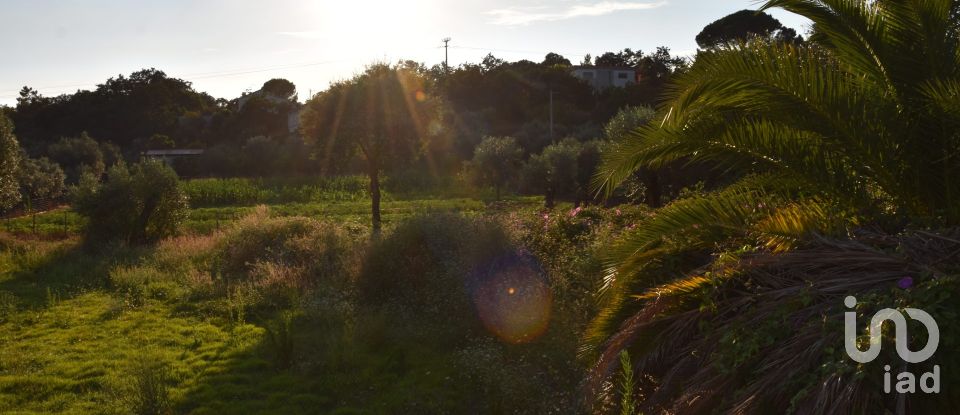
(150, 393)
(278, 259)
(138, 205)
(421, 272)
(40, 178)
(9, 158)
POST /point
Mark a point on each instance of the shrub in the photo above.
(9, 160)
(138, 205)
(150, 394)
(40, 178)
(421, 271)
(281, 258)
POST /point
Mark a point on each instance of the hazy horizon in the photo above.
(227, 47)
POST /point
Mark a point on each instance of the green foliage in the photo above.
(495, 161)
(40, 178)
(385, 114)
(119, 110)
(627, 120)
(272, 261)
(627, 405)
(134, 205)
(75, 154)
(742, 26)
(280, 88)
(280, 339)
(150, 394)
(826, 137)
(246, 192)
(419, 272)
(9, 164)
(554, 172)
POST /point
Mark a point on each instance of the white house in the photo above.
(602, 77)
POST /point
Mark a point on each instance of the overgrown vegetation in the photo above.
(289, 313)
(135, 205)
(844, 149)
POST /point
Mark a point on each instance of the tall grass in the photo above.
(245, 191)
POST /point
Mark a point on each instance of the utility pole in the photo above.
(551, 115)
(446, 54)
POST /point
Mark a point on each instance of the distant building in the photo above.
(168, 156)
(601, 77)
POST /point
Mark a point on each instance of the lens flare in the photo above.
(513, 300)
(420, 96)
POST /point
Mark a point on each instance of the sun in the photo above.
(381, 22)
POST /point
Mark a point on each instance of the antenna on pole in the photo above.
(446, 54)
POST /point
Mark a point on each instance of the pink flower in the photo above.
(617, 211)
(574, 212)
(546, 216)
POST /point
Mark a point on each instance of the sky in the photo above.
(227, 47)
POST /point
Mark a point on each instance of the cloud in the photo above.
(307, 34)
(516, 16)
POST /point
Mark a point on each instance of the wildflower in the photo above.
(618, 212)
(574, 212)
(905, 283)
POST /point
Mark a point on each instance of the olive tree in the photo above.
(384, 114)
(9, 162)
(495, 162)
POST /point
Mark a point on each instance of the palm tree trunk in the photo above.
(652, 192)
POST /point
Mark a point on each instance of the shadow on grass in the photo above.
(315, 365)
(43, 272)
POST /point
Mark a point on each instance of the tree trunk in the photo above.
(375, 199)
(652, 193)
(548, 199)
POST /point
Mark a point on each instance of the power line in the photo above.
(188, 77)
(513, 50)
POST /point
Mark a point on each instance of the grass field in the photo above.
(171, 329)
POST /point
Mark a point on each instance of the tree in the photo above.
(120, 110)
(742, 26)
(40, 178)
(555, 59)
(861, 128)
(280, 88)
(385, 113)
(618, 129)
(136, 205)
(495, 161)
(553, 173)
(612, 59)
(76, 153)
(9, 164)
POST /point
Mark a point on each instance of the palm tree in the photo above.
(859, 127)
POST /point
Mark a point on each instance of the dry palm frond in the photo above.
(791, 304)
